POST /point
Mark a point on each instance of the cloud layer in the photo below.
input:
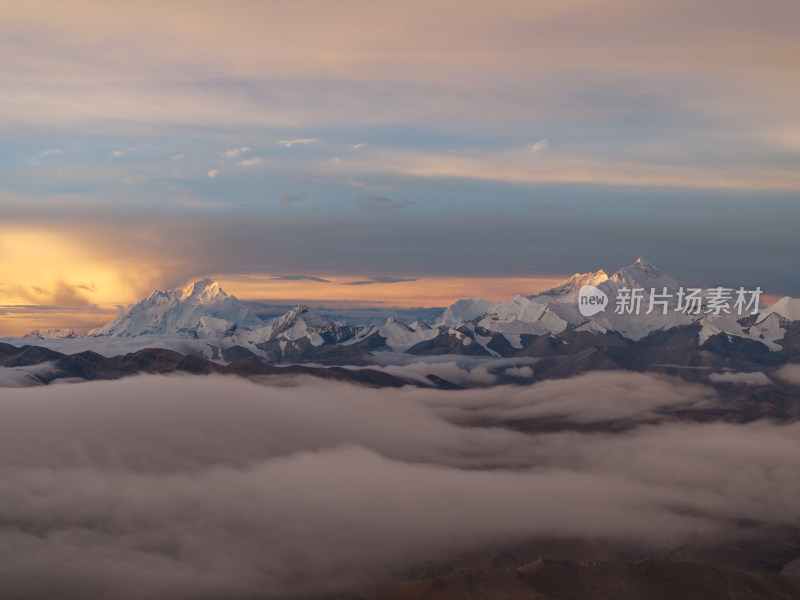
(213, 487)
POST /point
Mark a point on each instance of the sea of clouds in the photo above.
(158, 487)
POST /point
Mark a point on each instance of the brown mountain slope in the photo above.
(595, 580)
(91, 366)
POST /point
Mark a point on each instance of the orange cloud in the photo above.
(19, 320)
(54, 279)
(68, 274)
(425, 291)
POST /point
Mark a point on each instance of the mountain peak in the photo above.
(182, 312)
(462, 311)
(640, 266)
(203, 290)
(786, 307)
(50, 334)
(643, 274)
(643, 264)
(567, 291)
(301, 312)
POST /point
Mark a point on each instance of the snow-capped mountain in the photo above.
(786, 307)
(555, 310)
(398, 336)
(547, 311)
(523, 314)
(642, 275)
(201, 309)
(463, 311)
(217, 323)
(568, 291)
(50, 334)
(545, 333)
(299, 323)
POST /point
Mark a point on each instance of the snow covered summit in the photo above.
(201, 309)
(643, 275)
(50, 334)
(302, 319)
(300, 324)
(463, 311)
(204, 291)
(568, 290)
(555, 310)
(787, 308)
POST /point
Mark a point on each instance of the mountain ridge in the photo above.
(202, 310)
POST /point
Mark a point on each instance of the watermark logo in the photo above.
(591, 300)
(688, 301)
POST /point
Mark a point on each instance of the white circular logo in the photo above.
(591, 300)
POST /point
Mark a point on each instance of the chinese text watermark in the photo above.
(687, 301)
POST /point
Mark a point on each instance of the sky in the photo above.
(428, 150)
